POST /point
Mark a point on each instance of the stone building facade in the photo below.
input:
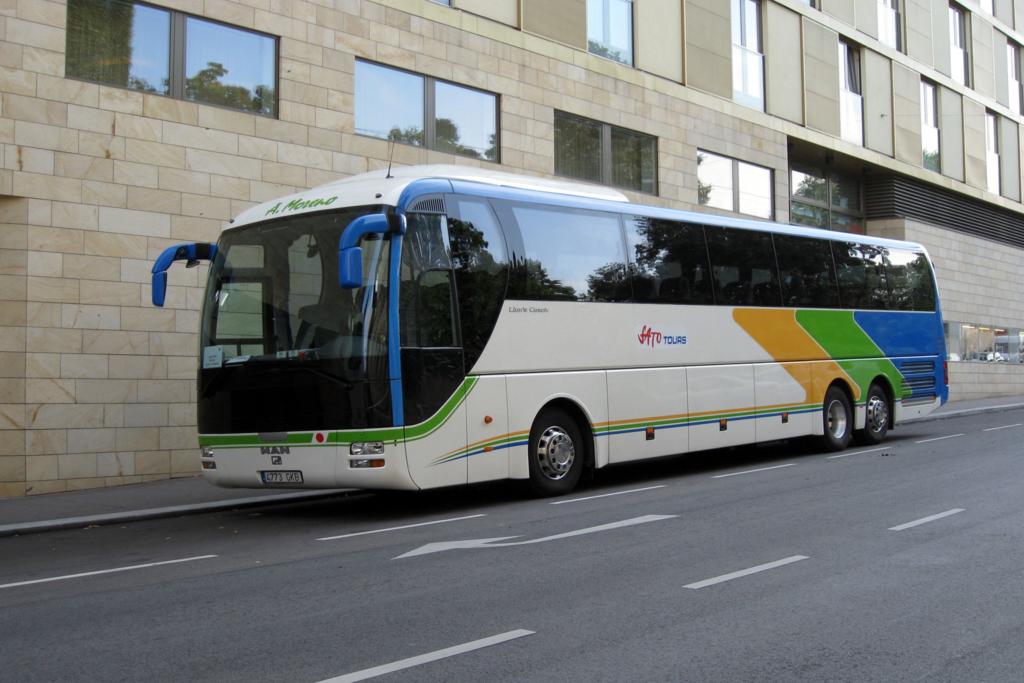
(100, 171)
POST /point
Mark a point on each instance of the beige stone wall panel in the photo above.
(784, 83)
(1000, 70)
(951, 133)
(906, 114)
(982, 58)
(940, 36)
(867, 16)
(1009, 158)
(708, 58)
(659, 38)
(821, 84)
(919, 31)
(843, 10)
(974, 144)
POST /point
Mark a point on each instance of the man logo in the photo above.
(274, 450)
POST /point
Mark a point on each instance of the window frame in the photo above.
(960, 28)
(1013, 75)
(851, 89)
(829, 178)
(736, 190)
(606, 12)
(930, 111)
(176, 66)
(895, 7)
(607, 163)
(740, 20)
(430, 112)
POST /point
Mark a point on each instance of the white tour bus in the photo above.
(434, 326)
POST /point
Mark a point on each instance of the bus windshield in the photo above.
(273, 305)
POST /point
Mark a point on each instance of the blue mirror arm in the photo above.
(364, 225)
(191, 253)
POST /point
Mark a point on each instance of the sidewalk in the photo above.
(192, 495)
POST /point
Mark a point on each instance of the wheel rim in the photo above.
(878, 414)
(837, 420)
(556, 453)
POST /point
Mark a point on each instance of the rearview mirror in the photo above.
(350, 255)
(190, 252)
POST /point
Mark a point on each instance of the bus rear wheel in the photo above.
(837, 416)
(877, 420)
(556, 453)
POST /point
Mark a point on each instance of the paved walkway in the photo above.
(190, 495)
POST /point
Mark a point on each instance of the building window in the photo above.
(929, 127)
(826, 200)
(419, 110)
(1013, 74)
(164, 52)
(610, 29)
(889, 23)
(732, 185)
(960, 55)
(987, 7)
(992, 152)
(747, 59)
(606, 154)
(984, 343)
(851, 112)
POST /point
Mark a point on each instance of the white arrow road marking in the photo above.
(493, 542)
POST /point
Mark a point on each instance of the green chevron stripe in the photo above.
(850, 346)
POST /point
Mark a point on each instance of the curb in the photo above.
(169, 511)
(963, 413)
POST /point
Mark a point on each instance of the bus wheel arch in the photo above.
(561, 448)
(879, 409)
(837, 416)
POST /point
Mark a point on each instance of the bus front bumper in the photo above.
(305, 467)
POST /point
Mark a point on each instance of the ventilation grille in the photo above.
(916, 383)
(889, 196)
(428, 205)
(918, 367)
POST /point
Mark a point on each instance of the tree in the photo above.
(206, 86)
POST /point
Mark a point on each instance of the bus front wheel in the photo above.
(556, 453)
(838, 419)
(876, 422)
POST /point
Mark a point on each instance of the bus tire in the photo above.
(877, 417)
(557, 453)
(837, 418)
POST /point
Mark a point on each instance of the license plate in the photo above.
(281, 477)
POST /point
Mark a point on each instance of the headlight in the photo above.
(368, 448)
(206, 452)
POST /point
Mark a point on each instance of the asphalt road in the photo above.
(772, 563)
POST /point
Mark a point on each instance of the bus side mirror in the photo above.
(350, 267)
(350, 255)
(191, 253)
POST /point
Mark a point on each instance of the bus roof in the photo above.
(386, 189)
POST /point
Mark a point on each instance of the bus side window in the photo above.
(571, 255)
(911, 286)
(668, 261)
(480, 260)
(806, 272)
(427, 317)
(743, 266)
(861, 273)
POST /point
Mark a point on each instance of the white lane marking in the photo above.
(759, 469)
(605, 495)
(429, 657)
(847, 455)
(993, 429)
(939, 438)
(925, 520)
(399, 528)
(106, 571)
(494, 542)
(745, 572)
